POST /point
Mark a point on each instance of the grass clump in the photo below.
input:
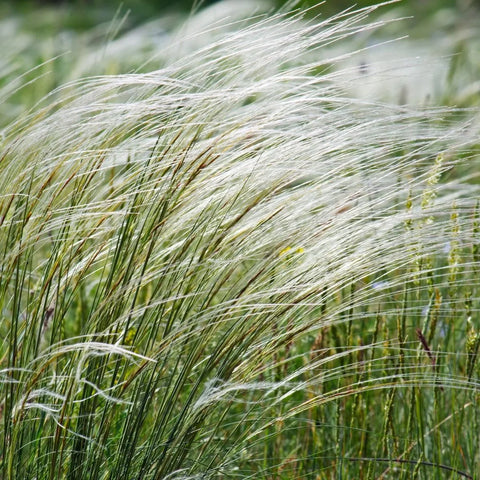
(229, 268)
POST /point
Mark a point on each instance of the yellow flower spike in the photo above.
(130, 336)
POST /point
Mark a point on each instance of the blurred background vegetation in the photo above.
(66, 30)
(427, 18)
(442, 29)
(143, 9)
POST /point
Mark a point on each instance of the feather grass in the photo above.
(229, 267)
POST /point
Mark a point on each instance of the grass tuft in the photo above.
(230, 267)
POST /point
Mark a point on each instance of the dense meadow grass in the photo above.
(238, 248)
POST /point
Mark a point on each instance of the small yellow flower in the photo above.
(288, 251)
